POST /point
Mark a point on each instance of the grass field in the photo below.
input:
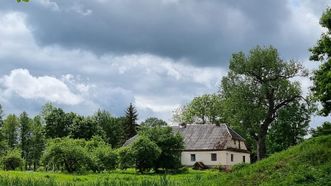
(306, 164)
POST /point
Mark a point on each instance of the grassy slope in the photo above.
(306, 164)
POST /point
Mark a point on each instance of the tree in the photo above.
(1, 116)
(66, 153)
(130, 124)
(324, 129)
(37, 142)
(256, 88)
(153, 122)
(202, 109)
(10, 130)
(169, 143)
(289, 128)
(12, 160)
(322, 78)
(145, 153)
(58, 123)
(113, 128)
(3, 145)
(85, 127)
(25, 137)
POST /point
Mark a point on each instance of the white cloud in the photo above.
(22, 83)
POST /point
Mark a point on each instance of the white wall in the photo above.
(223, 157)
(230, 143)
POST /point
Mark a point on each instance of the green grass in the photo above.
(306, 164)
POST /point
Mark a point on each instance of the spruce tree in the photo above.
(130, 123)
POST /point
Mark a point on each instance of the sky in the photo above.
(85, 55)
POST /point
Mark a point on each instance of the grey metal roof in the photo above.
(203, 136)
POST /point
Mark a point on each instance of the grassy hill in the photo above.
(306, 164)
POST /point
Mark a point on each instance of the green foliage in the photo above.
(289, 128)
(145, 153)
(113, 128)
(202, 109)
(125, 158)
(66, 153)
(12, 160)
(10, 130)
(305, 164)
(130, 122)
(84, 127)
(153, 122)
(258, 83)
(25, 137)
(37, 141)
(57, 123)
(22, 1)
(103, 158)
(322, 77)
(3, 144)
(325, 129)
(170, 145)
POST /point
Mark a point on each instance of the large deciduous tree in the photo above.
(202, 109)
(257, 86)
(322, 77)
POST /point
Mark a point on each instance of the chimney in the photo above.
(182, 125)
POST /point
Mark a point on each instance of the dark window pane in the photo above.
(192, 157)
(213, 157)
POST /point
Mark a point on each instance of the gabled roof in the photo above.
(203, 136)
(206, 136)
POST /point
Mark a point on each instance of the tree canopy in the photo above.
(322, 77)
(257, 86)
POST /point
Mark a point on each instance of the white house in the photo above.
(213, 145)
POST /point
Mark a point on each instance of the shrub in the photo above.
(145, 154)
(104, 158)
(125, 158)
(66, 153)
(12, 160)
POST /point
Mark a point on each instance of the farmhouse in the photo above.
(211, 144)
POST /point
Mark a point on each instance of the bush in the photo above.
(12, 160)
(125, 158)
(66, 153)
(145, 154)
(104, 159)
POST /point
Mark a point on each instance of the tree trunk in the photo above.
(261, 150)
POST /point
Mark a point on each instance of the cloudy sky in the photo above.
(158, 54)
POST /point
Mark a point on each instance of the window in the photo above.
(244, 159)
(213, 157)
(232, 157)
(192, 157)
(234, 141)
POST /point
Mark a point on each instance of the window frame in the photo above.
(193, 157)
(213, 156)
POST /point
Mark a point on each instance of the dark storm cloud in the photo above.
(205, 32)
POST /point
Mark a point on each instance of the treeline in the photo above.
(59, 141)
